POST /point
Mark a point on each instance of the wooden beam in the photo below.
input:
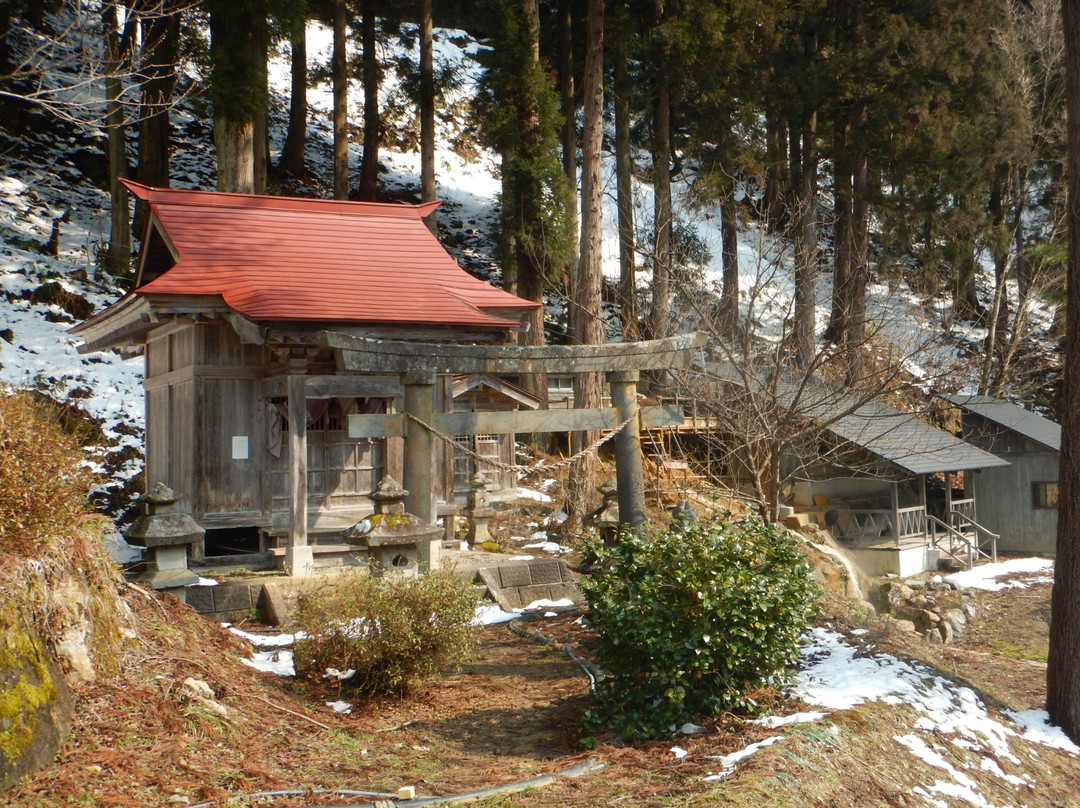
(386, 356)
(477, 423)
(250, 333)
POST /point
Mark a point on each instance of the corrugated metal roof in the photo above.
(910, 442)
(897, 437)
(291, 260)
(1004, 413)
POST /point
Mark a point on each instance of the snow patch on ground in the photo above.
(277, 662)
(1037, 570)
(839, 676)
(729, 762)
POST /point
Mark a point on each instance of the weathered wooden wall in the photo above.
(1006, 495)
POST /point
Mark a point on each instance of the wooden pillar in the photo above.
(419, 473)
(628, 472)
(948, 499)
(298, 556)
(922, 501)
(896, 512)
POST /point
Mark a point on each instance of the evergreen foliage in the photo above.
(519, 111)
(695, 621)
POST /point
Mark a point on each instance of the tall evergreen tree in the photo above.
(371, 71)
(161, 48)
(293, 152)
(427, 110)
(235, 90)
(586, 327)
(118, 51)
(339, 72)
(659, 319)
(1063, 661)
(520, 117)
(621, 89)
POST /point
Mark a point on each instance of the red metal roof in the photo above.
(285, 259)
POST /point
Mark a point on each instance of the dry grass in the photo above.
(512, 713)
(54, 568)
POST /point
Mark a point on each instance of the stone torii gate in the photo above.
(419, 363)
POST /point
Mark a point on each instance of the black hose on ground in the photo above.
(590, 669)
(391, 801)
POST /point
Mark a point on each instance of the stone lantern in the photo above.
(607, 518)
(683, 515)
(397, 542)
(167, 534)
(478, 510)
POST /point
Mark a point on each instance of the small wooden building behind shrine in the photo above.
(1020, 499)
(231, 293)
(489, 453)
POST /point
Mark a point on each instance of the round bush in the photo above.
(694, 621)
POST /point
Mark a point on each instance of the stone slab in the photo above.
(200, 598)
(513, 575)
(546, 571)
(233, 597)
(518, 584)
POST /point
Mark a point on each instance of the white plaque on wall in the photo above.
(240, 447)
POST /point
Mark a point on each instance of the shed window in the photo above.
(1045, 495)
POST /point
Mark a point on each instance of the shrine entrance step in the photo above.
(516, 584)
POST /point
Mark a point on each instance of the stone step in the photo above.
(518, 583)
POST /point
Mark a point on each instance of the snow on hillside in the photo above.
(60, 170)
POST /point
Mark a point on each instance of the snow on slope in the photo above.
(50, 172)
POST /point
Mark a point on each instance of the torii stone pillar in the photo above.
(628, 473)
(418, 475)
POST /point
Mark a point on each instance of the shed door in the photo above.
(487, 446)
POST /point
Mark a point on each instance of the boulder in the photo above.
(903, 625)
(944, 630)
(35, 703)
(956, 619)
(887, 596)
(922, 619)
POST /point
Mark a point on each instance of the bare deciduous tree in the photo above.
(59, 62)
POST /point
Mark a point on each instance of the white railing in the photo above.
(959, 536)
(964, 507)
(864, 523)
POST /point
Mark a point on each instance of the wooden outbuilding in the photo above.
(884, 486)
(246, 406)
(897, 491)
(483, 392)
(1020, 499)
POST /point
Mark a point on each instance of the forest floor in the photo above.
(514, 712)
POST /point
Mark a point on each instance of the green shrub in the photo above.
(695, 621)
(391, 631)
